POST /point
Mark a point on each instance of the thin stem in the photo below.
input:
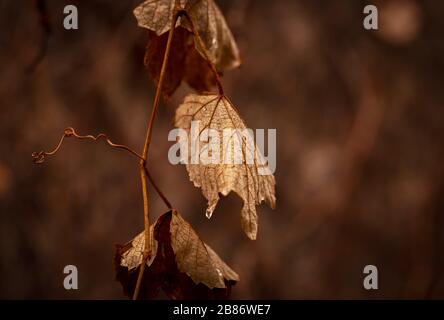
(159, 88)
(147, 248)
(139, 279)
(144, 175)
(204, 51)
(40, 157)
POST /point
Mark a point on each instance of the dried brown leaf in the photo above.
(197, 259)
(198, 73)
(175, 69)
(132, 258)
(185, 63)
(183, 266)
(157, 15)
(233, 171)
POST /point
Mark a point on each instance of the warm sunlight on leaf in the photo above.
(182, 264)
(133, 257)
(233, 171)
(196, 258)
(156, 15)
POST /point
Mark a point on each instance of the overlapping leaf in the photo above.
(181, 264)
(185, 63)
(132, 258)
(231, 171)
(156, 15)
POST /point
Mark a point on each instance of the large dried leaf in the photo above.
(156, 15)
(182, 264)
(185, 63)
(233, 171)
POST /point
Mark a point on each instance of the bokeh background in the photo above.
(359, 122)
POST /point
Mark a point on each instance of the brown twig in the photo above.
(40, 157)
(144, 173)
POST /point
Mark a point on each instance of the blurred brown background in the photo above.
(359, 124)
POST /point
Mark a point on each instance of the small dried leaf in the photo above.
(132, 258)
(232, 171)
(157, 15)
(183, 266)
(215, 34)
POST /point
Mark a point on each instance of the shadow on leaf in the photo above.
(184, 267)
